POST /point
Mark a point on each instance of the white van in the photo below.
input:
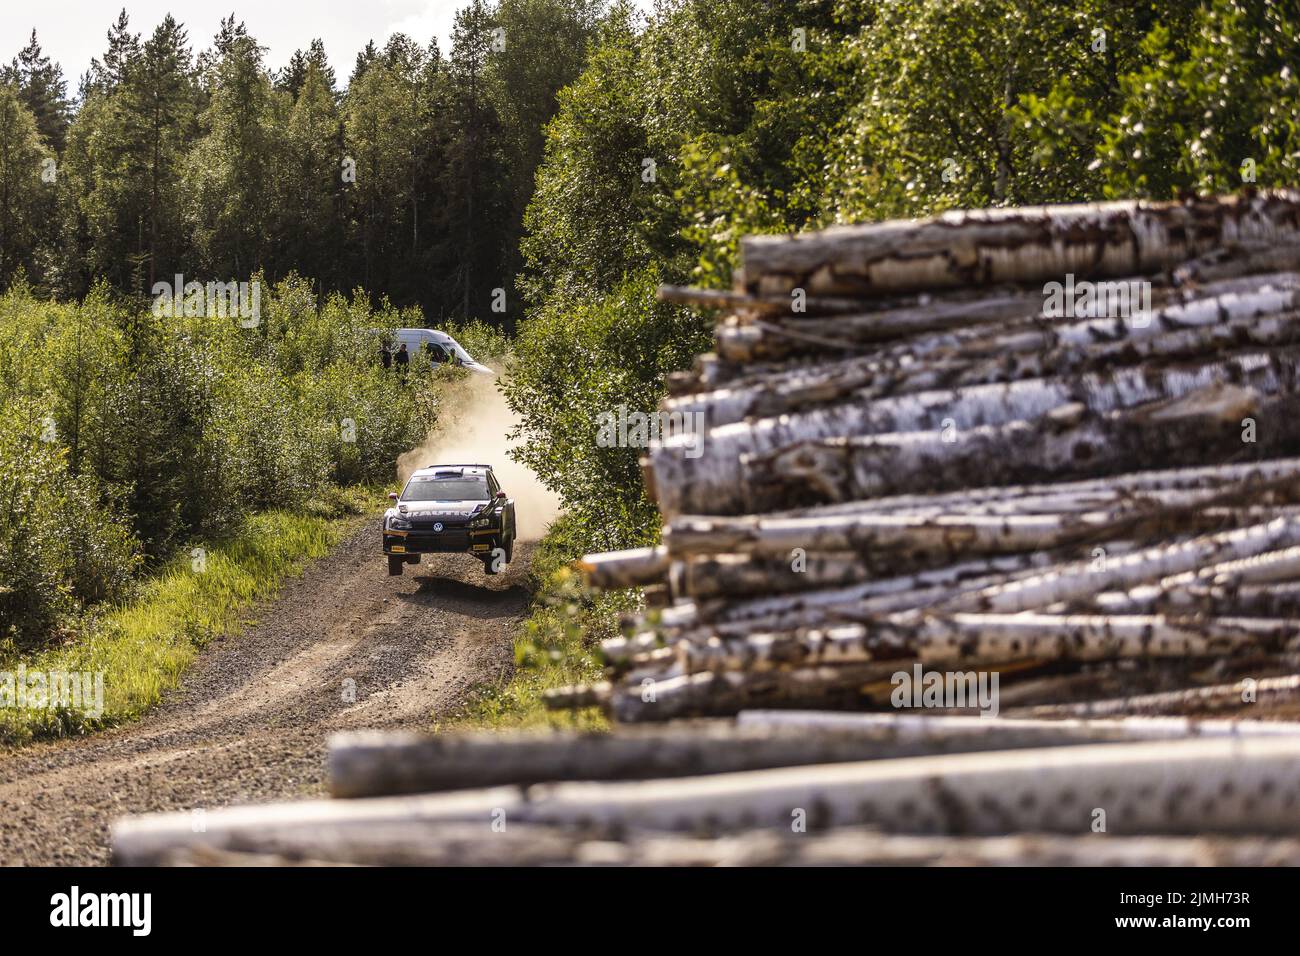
(440, 346)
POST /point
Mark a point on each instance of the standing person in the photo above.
(386, 352)
(403, 360)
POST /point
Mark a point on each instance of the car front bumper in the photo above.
(451, 540)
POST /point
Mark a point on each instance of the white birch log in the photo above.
(1259, 600)
(1073, 583)
(847, 846)
(739, 575)
(1203, 786)
(1242, 695)
(835, 606)
(1167, 486)
(576, 696)
(1010, 365)
(855, 602)
(888, 348)
(1270, 331)
(709, 694)
(1206, 425)
(1236, 259)
(919, 324)
(980, 639)
(713, 481)
(1272, 566)
(373, 763)
(995, 246)
(416, 844)
(369, 764)
(992, 731)
(946, 534)
(625, 569)
(721, 299)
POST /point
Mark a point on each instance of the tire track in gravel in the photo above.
(249, 721)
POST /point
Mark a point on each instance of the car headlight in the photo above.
(484, 522)
(398, 523)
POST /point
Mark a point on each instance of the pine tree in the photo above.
(43, 90)
(364, 60)
(310, 182)
(157, 104)
(231, 168)
(123, 46)
(473, 175)
(291, 78)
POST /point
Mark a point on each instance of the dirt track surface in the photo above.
(249, 722)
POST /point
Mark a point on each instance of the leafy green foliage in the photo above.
(143, 645)
(125, 435)
(25, 201)
(788, 116)
(410, 184)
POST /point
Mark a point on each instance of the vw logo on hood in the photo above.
(437, 526)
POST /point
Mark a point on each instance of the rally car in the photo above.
(456, 508)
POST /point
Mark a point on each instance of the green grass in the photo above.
(143, 647)
(552, 648)
(557, 644)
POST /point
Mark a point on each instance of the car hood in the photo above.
(440, 509)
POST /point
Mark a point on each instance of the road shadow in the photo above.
(487, 601)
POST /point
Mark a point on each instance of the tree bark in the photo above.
(1203, 426)
(993, 732)
(983, 248)
(1206, 786)
(416, 844)
(626, 569)
(973, 640)
(372, 764)
(712, 482)
(1075, 583)
(1218, 697)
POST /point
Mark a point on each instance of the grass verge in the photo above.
(557, 644)
(143, 647)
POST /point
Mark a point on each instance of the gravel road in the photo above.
(249, 722)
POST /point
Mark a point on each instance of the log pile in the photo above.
(948, 575)
(1061, 445)
(794, 789)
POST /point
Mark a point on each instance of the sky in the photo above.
(71, 32)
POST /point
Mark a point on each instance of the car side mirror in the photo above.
(392, 496)
(501, 494)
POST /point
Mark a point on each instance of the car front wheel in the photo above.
(395, 566)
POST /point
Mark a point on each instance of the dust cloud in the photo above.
(473, 419)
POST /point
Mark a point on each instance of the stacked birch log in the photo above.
(1060, 444)
(900, 462)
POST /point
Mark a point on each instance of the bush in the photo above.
(125, 434)
(58, 548)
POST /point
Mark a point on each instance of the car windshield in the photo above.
(446, 489)
(455, 346)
